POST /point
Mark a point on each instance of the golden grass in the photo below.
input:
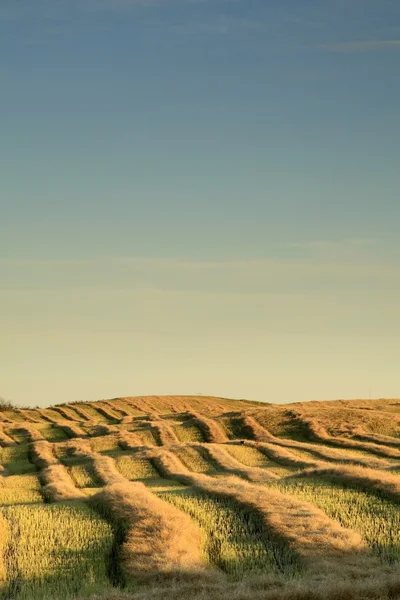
(159, 542)
(375, 519)
(104, 409)
(81, 412)
(5, 439)
(67, 413)
(135, 467)
(128, 440)
(318, 432)
(211, 430)
(318, 540)
(72, 430)
(54, 552)
(165, 434)
(20, 489)
(317, 496)
(233, 538)
(57, 483)
(195, 458)
(188, 433)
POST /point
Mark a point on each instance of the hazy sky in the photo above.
(199, 196)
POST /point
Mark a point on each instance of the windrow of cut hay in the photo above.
(159, 541)
(283, 456)
(321, 543)
(229, 464)
(361, 434)
(83, 413)
(32, 434)
(46, 416)
(106, 410)
(165, 433)
(73, 430)
(211, 430)
(319, 452)
(65, 413)
(383, 483)
(128, 440)
(116, 408)
(318, 432)
(5, 439)
(57, 484)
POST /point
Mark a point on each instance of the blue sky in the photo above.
(199, 196)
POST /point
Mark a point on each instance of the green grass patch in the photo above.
(56, 551)
(235, 539)
(375, 519)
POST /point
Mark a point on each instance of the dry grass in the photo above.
(160, 541)
(320, 542)
(128, 440)
(211, 430)
(318, 488)
(5, 439)
(165, 433)
(72, 430)
(318, 432)
(57, 483)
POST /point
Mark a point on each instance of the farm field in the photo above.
(198, 497)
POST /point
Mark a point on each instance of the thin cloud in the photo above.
(362, 46)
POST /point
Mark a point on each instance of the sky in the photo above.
(199, 196)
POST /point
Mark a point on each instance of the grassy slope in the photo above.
(280, 499)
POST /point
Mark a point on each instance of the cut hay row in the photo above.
(360, 434)
(283, 456)
(72, 430)
(159, 541)
(5, 439)
(258, 432)
(141, 406)
(106, 410)
(322, 544)
(93, 414)
(235, 539)
(82, 413)
(98, 413)
(116, 408)
(102, 429)
(228, 463)
(50, 415)
(384, 483)
(165, 433)
(318, 432)
(376, 519)
(30, 416)
(57, 484)
(252, 457)
(128, 440)
(211, 430)
(66, 413)
(32, 434)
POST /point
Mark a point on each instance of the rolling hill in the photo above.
(200, 497)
